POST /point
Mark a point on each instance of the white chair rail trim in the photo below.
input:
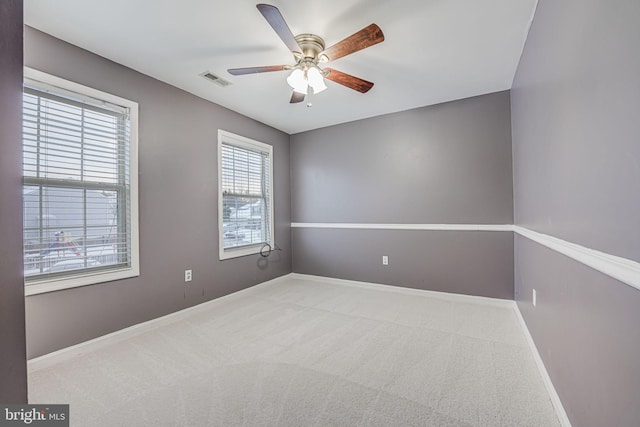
(622, 269)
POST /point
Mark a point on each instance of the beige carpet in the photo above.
(307, 352)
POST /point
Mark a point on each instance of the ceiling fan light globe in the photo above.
(316, 80)
(296, 79)
(301, 87)
(318, 87)
(314, 76)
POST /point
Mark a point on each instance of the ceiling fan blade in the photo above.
(279, 25)
(296, 97)
(364, 38)
(254, 70)
(348, 80)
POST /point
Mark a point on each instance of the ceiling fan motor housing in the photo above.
(311, 46)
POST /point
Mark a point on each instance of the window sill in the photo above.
(241, 251)
(60, 283)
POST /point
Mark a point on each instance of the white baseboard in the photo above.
(553, 395)
(407, 291)
(85, 347)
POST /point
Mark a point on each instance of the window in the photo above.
(245, 196)
(79, 185)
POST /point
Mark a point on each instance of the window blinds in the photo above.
(245, 196)
(76, 193)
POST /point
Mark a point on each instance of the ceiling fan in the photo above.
(309, 51)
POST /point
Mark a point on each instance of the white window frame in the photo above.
(33, 287)
(250, 144)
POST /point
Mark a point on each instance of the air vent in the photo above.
(217, 80)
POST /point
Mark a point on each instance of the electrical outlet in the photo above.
(385, 260)
(535, 298)
(188, 275)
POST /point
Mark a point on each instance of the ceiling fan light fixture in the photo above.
(298, 81)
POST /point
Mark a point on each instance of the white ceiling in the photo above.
(434, 50)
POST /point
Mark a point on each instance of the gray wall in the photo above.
(576, 147)
(575, 105)
(13, 361)
(178, 206)
(449, 163)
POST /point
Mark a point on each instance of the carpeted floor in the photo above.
(308, 352)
